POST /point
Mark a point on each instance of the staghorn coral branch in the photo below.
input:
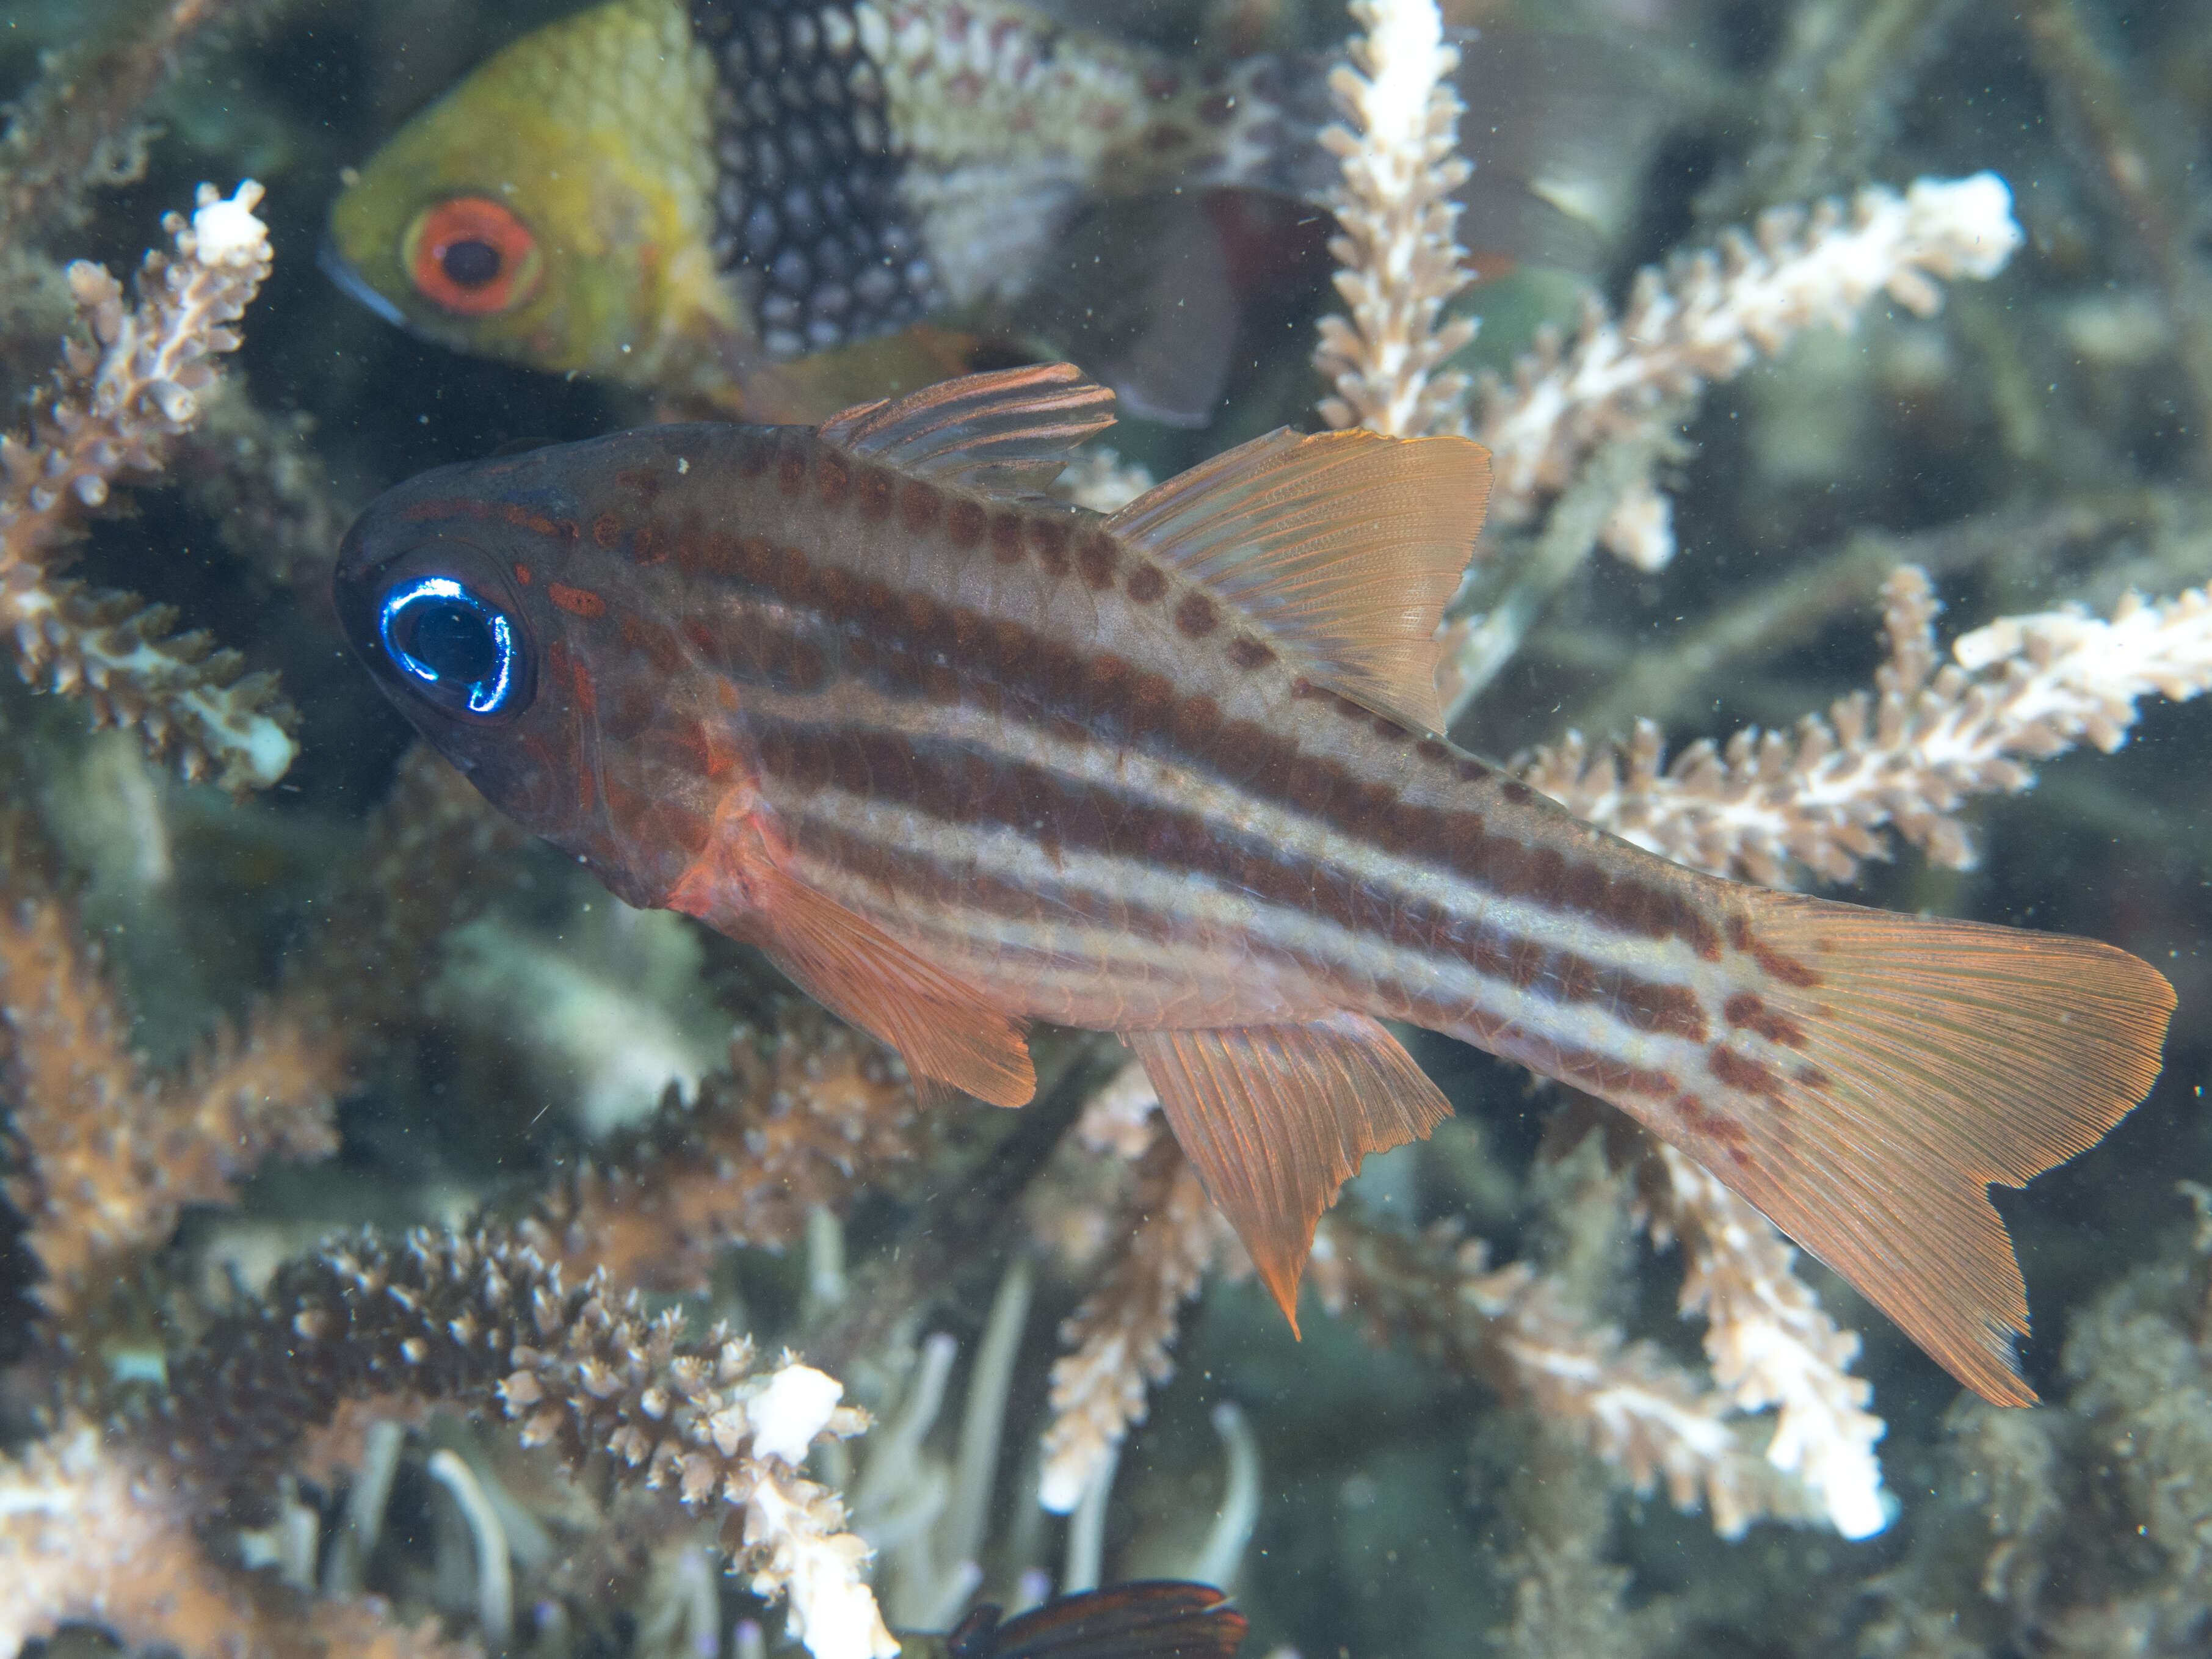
(95, 1529)
(809, 1114)
(270, 493)
(434, 853)
(1100, 479)
(116, 404)
(1708, 316)
(1903, 758)
(480, 1320)
(1771, 1344)
(1518, 1331)
(1650, 1418)
(81, 125)
(1790, 609)
(1399, 265)
(113, 1156)
(2114, 121)
(1118, 1340)
(93, 1532)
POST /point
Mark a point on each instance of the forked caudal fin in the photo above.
(1888, 1070)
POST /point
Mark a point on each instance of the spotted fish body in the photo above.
(961, 758)
(697, 194)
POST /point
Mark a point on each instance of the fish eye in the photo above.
(455, 648)
(470, 255)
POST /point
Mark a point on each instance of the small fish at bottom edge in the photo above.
(1149, 1619)
(960, 757)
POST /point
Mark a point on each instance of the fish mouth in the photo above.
(340, 271)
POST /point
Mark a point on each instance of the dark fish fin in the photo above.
(1140, 291)
(1276, 1117)
(1887, 1071)
(1007, 432)
(807, 390)
(942, 1028)
(1152, 1619)
(1344, 545)
(1557, 126)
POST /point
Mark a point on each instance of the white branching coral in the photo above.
(140, 381)
(1708, 316)
(1902, 758)
(1399, 263)
(1525, 1333)
(716, 1430)
(89, 1532)
(1771, 1344)
(1100, 479)
(96, 1528)
(1653, 1421)
(1118, 1341)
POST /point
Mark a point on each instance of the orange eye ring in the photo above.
(471, 256)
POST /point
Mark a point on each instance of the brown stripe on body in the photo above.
(799, 582)
(1221, 702)
(1092, 974)
(1005, 664)
(962, 783)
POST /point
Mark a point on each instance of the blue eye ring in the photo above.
(487, 692)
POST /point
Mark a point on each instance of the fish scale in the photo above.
(807, 208)
(960, 759)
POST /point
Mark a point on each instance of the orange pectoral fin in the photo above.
(945, 1030)
(1276, 1117)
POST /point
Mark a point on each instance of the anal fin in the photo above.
(1276, 1117)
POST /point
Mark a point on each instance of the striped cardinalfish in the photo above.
(960, 757)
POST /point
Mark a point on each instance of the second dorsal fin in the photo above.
(1006, 433)
(1344, 546)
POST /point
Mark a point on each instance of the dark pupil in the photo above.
(453, 642)
(471, 264)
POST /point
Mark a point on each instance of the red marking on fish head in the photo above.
(576, 601)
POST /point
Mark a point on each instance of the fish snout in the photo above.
(347, 275)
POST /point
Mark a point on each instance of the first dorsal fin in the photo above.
(1276, 1117)
(1006, 433)
(1344, 546)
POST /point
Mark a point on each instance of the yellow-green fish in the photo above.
(733, 199)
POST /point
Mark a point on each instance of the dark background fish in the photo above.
(728, 200)
(758, 204)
